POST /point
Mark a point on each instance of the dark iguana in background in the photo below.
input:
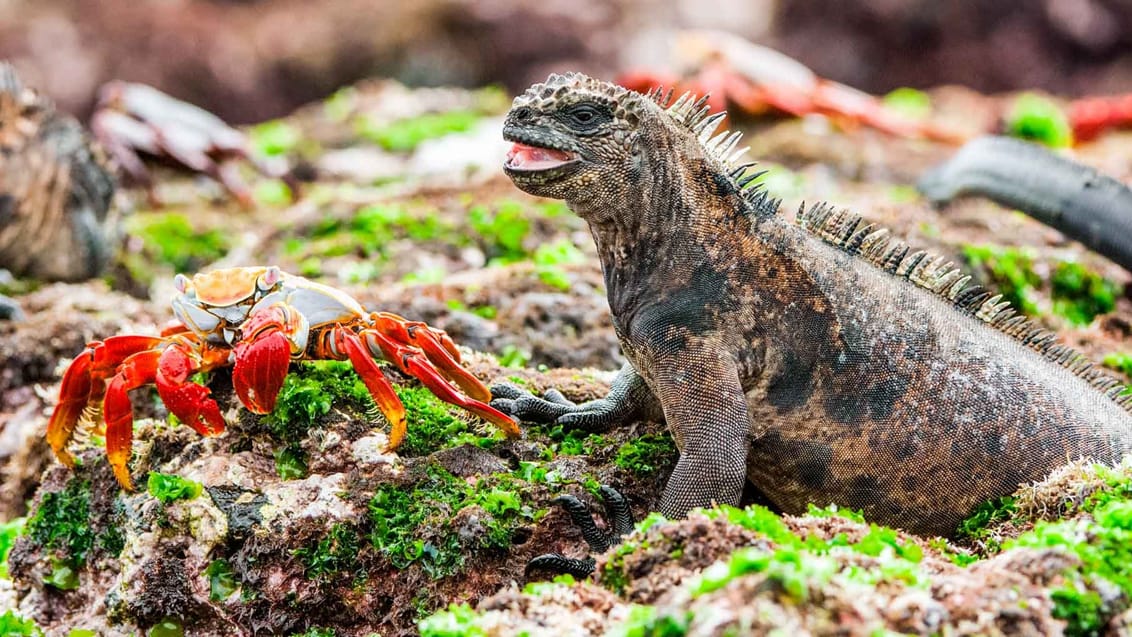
(821, 360)
(55, 191)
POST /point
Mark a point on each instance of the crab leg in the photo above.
(375, 381)
(439, 349)
(84, 383)
(410, 361)
(137, 370)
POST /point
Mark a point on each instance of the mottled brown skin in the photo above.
(55, 190)
(778, 358)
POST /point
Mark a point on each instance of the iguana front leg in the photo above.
(629, 399)
(706, 411)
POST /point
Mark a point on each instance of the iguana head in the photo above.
(573, 135)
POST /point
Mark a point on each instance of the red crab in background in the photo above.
(132, 118)
(1091, 116)
(756, 79)
(257, 319)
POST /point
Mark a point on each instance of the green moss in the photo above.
(63, 575)
(172, 239)
(1010, 272)
(308, 392)
(976, 526)
(502, 230)
(316, 632)
(337, 551)
(909, 102)
(62, 521)
(275, 137)
(273, 193)
(1038, 119)
(415, 525)
(1080, 294)
(434, 424)
(834, 511)
(549, 259)
(1104, 547)
(1120, 361)
(647, 454)
(222, 580)
(406, 134)
(458, 621)
(9, 531)
(14, 625)
(647, 621)
(168, 627)
(169, 488)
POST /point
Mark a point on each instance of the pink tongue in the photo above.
(532, 158)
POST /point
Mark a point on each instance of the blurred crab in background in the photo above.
(134, 117)
(257, 319)
(755, 79)
(1091, 116)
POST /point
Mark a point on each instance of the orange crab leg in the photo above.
(436, 348)
(84, 383)
(417, 366)
(375, 381)
(445, 391)
(263, 356)
(190, 402)
(137, 370)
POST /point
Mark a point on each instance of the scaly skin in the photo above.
(813, 358)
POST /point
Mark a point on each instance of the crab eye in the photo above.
(269, 279)
(181, 282)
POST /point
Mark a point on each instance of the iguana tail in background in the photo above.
(1086, 205)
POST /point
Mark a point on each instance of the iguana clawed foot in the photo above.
(553, 407)
(619, 517)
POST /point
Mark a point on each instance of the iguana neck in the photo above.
(652, 239)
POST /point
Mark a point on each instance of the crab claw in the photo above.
(262, 357)
(188, 401)
(377, 384)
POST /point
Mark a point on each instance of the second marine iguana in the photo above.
(822, 360)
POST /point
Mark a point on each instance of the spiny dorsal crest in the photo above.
(693, 114)
(854, 235)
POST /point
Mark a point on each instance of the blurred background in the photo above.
(249, 60)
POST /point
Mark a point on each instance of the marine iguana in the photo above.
(822, 360)
(55, 191)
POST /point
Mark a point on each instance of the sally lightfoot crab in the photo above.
(257, 319)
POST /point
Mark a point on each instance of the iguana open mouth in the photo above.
(523, 157)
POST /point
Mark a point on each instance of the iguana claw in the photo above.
(620, 519)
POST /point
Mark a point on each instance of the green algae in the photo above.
(417, 524)
(168, 488)
(334, 553)
(1038, 119)
(647, 454)
(172, 239)
(222, 580)
(14, 625)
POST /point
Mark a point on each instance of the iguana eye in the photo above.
(586, 117)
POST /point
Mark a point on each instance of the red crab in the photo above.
(1091, 116)
(756, 79)
(257, 319)
(135, 117)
